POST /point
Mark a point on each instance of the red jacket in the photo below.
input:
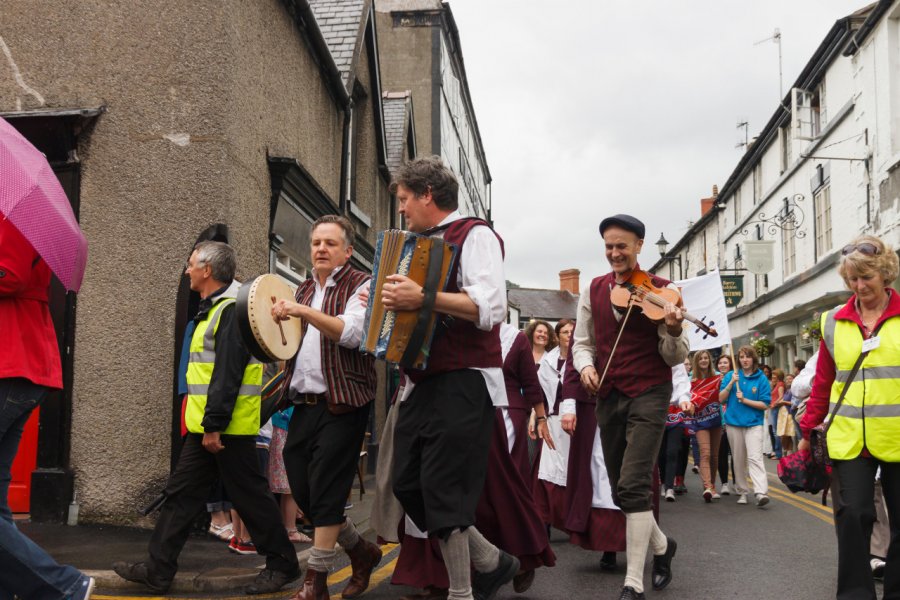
(29, 348)
(820, 397)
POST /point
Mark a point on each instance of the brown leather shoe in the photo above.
(315, 586)
(364, 557)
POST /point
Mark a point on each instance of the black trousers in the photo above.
(725, 458)
(671, 451)
(854, 518)
(321, 455)
(631, 432)
(188, 488)
(441, 445)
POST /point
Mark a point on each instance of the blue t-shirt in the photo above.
(754, 387)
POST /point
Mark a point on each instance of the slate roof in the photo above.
(548, 304)
(341, 23)
(396, 121)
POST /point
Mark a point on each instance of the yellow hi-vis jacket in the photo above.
(245, 417)
(869, 417)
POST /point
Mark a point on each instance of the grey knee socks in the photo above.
(456, 558)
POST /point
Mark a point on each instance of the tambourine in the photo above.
(267, 340)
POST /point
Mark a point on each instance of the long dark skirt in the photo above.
(519, 452)
(506, 516)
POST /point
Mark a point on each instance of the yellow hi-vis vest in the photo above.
(870, 414)
(245, 417)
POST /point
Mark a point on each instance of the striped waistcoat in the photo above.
(349, 374)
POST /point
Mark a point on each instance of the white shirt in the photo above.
(308, 377)
(681, 385)
(482, 278)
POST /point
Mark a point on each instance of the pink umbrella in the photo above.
(32, 199)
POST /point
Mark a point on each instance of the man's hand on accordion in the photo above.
(401, 293)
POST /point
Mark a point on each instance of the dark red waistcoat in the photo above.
(523, 389)
(636, 364)
(349, 374)
(459, 344)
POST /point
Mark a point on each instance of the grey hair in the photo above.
(220, 257)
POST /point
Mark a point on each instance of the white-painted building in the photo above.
(421, 51)
(825, 169)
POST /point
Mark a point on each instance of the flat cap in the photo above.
(626, 222)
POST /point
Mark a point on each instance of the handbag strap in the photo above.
(850, 378)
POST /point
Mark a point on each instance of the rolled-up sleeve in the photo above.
(354, 316)
(681, 385)
(483, 278)
(584, 349)
(672, 349)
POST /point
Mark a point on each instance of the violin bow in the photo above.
(618, 337)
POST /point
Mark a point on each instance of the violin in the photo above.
(638, 291)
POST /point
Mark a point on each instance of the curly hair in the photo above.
(429, 173)
(551, 335)
(884, 262)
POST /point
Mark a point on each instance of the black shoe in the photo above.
(485, 585)
(140, 573)
(608, 561)
(628, 593)
(662, 565)
(268, 581)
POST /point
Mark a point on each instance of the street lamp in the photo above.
(662, 244)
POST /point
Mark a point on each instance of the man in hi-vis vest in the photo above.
(222, 418)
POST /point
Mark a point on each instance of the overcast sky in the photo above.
(588, 108)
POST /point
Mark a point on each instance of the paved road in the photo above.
(786, 549)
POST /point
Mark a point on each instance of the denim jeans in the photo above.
(25, 569)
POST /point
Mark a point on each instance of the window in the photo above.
(292, 271)
(784, 136)
(757, 184)
(819, 115)
(736, 201)
(788, 252)
(822, 206)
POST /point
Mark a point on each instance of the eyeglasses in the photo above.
(865, 248)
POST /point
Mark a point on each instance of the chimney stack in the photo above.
(707, 203)
(569, 281)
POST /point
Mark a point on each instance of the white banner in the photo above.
(704, 299)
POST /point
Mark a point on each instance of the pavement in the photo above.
(205, 565)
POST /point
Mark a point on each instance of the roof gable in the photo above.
(397, 124)
(342, 23)
(550, 304)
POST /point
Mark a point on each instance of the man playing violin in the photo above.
(633, 392)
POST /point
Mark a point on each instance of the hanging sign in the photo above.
(733, 289)
(759, 256)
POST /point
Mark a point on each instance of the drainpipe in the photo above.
(347, 165)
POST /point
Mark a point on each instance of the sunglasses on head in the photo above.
(865, 248)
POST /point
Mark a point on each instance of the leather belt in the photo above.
(309, 399)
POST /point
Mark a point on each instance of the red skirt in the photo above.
(551, 500)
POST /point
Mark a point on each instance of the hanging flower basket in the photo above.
(812, 331)
(761, 344)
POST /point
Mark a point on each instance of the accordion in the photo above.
(404, 337)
